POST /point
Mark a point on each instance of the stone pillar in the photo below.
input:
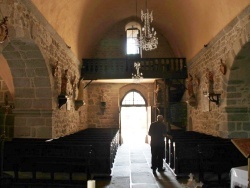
(33, 123)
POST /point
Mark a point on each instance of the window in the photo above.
(133, 98)
(132, 31)
(132, 43)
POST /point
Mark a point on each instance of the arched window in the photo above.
(132, 32)
(133, 98)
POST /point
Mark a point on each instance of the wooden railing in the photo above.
(122, 68)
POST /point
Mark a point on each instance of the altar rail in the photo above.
(122, 68)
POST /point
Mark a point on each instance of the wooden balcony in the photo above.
(122, 68)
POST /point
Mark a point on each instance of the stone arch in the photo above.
(238, 92)
(134, 90)
(142, 89)
(146, 91)
(32, 89)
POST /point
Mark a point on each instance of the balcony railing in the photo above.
(122, 68)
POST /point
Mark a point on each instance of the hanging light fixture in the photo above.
(147, 39)
(138, 77)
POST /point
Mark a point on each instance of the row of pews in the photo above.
(89, 152)
(210, 158)
(104, 141)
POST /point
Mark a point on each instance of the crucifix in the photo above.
(137, 67)
(138, 76)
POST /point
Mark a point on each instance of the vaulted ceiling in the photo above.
(186, 24)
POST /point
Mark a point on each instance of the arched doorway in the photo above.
(133, 118)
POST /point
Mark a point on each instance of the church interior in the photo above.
(82, 80)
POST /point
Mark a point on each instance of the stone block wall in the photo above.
(38, 57)
(112, 94)
(228, 48)
(6, 119)
(3, 92)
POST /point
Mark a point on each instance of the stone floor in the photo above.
(132, 170)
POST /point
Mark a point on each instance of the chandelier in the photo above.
(148, 39)
(138, 77)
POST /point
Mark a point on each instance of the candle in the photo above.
(174, 144)
(91, 184)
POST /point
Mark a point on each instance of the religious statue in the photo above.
(64, 83)
(3, 30)
(80, 89)
(191, 100)
(209, 80)
(55, 69)
(73, 82)
(190, 85)
(209, 76)
(158, 94)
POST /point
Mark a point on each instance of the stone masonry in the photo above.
(230, 47)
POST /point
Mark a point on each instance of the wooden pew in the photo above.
(47, 157)
(176, 149)
(190, 152)
(218, 159)
(31, 157)
(105, 142)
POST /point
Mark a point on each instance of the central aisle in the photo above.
(132, 169)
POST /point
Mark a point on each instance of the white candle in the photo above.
(174, 144)
(91, 184)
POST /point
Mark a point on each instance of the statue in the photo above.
(191, 100)
(158, 94)
(80, 88)
(64, 83)
(190, 85)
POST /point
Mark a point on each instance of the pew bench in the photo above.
(218, 159)
(105, 142)
(48, 158)
(211, 158)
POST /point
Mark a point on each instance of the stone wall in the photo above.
(113, 44)
(112, 94)
(33, 52)
(6, 115)
(231, 118)
(38, 58)
(3, 92)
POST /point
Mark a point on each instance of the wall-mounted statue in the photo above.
(209, 80)
(80, 89)
(190, 85)
(3, 30)
(158, 95)
(223, 67)
(64, 83)
(191, 100)
(73, 82)
(55, 69)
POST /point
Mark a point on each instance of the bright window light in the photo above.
(132, 42)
